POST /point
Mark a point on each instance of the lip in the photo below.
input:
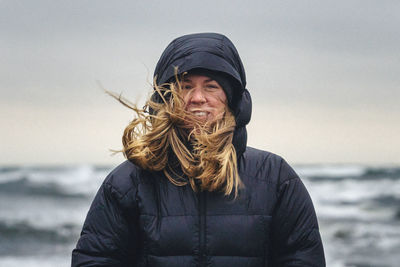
(199, 113)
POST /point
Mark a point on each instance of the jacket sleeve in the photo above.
(109, 236)
(296, 240)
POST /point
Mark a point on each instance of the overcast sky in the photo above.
(324, 75)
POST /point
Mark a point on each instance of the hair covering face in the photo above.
(216, 53)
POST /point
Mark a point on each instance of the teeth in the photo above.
(200, 113)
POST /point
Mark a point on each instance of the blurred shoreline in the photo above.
(42, 209)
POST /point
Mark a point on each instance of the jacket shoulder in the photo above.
(122, 181)
(267, 166)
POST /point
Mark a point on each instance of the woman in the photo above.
(191, 192)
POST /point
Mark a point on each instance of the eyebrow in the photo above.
(189, 80)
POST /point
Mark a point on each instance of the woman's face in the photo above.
(203, 97)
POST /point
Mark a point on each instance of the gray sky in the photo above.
(324, 75)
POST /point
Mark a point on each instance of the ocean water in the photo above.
(42, 210)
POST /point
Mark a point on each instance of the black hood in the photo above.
(211, 51)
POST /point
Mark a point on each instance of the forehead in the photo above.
(197, 78)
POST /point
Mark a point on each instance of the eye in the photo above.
(186, 86)
(212, 86)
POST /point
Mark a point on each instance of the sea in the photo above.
(42, 210)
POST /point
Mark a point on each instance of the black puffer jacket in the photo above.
(139, 218)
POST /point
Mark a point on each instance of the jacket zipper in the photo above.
(202, 230)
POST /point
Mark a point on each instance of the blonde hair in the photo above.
(165, 137)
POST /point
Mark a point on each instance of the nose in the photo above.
(196, 95)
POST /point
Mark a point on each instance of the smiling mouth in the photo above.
(200, 114)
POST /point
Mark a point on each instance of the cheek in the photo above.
(220, 102)
(222, 97)
(185, 98)
(219, 108)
